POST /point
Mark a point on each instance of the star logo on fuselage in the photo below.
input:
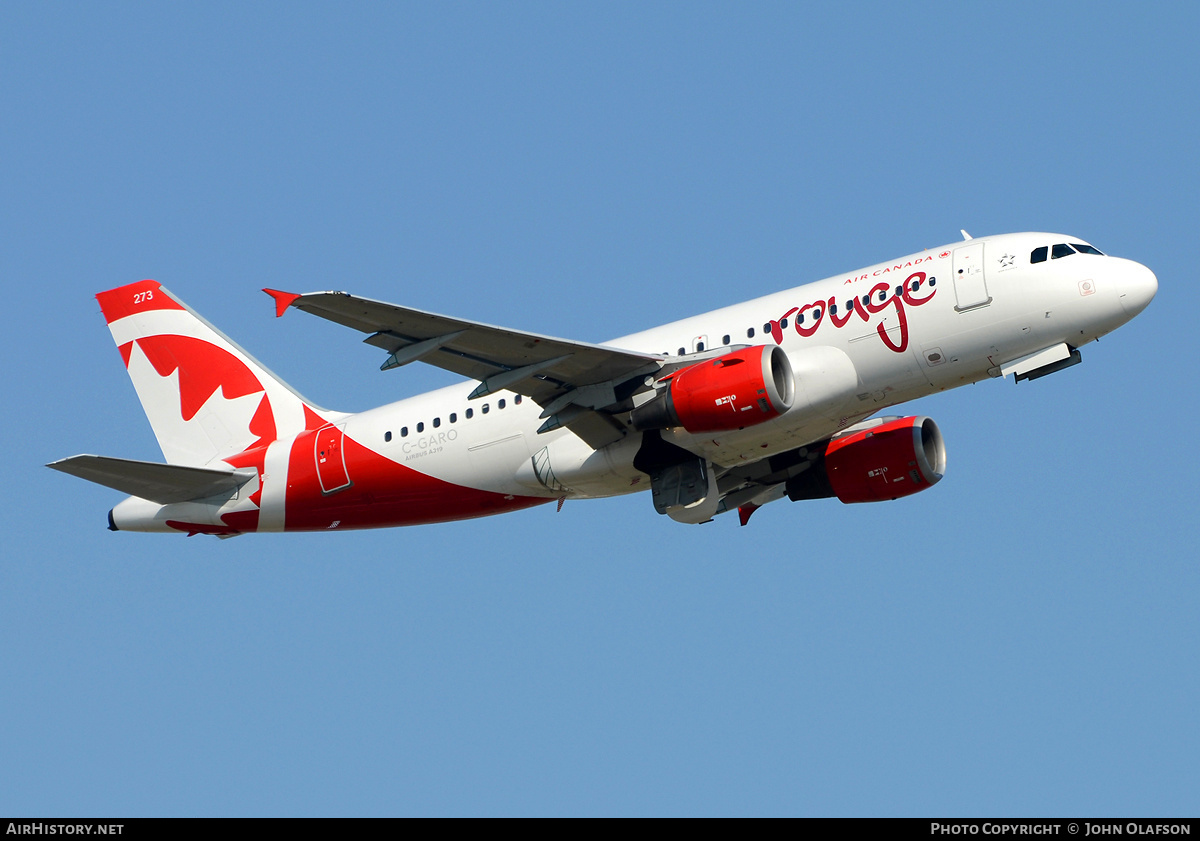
(1006, 262)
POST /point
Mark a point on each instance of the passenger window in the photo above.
(485, 408)
(750, 333)
(681, 351)
(387, 436)
(699, 349)
(1061, 250)
(1038, 255)
(833, 309)
(725, 339)
(850, 305)
(783, 324)
(500, 403)
(816, 315)
(882, 295)
(933, 281)
(453, 417)
(437, 422)
(800, 318)
(404, 432)
(767, 327)
(421, 426)
(470, 413)
(517, 400)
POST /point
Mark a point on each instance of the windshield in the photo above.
(1062, 249)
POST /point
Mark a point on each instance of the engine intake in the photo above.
(733, 391)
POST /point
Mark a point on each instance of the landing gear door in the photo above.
(970, 285)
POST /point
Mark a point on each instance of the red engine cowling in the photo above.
(733, 391)
(894, 459)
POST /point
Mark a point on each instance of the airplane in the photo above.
(780, 396)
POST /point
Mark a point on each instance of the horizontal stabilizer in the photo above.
(161, 483)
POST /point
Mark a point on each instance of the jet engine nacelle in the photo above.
(887, 460)
(733, 391)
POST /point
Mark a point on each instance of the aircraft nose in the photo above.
(1136, 288)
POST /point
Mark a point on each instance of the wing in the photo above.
(579, 385)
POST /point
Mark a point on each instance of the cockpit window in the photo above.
(1083, 248)
(1039, 254)
(1061, 250)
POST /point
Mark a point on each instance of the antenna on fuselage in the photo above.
(965, 234)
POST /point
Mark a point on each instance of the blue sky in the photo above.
(1021, 639)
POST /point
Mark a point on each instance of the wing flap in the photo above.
(161, 483)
